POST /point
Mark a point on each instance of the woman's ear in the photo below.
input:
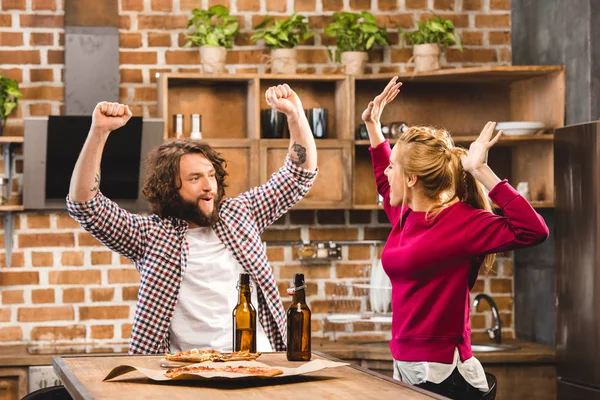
(411, 180)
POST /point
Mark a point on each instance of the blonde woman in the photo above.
(443, 233)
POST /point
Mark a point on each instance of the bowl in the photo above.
(517, 128)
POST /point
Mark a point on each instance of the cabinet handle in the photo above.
(4, 386)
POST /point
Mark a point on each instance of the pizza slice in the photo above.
(265, 372)
(196, 356)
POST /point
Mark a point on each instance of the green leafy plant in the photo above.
(213, 27)
(9, 96)
(437, 30)
(283, 34)
(355, 32)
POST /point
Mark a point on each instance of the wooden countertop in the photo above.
(528, 352)
(82, 376)
(17, 356)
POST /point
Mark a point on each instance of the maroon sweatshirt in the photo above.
(433, 264)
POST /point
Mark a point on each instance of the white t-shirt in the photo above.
(203, 315)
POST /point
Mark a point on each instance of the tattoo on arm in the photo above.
(298, 154)
(97, 180)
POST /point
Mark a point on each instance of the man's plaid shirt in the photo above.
(158, 247)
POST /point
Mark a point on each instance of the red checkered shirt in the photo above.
(158, 247)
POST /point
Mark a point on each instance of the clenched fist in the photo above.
(283, 99)
(108, 117)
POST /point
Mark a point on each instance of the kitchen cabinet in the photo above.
(13, 383)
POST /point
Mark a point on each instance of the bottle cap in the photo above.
(244, 278)
(298, 284)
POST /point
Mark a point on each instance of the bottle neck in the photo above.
(244, 294)
(299, 297)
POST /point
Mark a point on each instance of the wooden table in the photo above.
(82, 376)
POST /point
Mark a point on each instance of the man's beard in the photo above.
(190, 211)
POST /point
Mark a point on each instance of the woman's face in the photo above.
(396, 179)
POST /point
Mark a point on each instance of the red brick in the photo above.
(224, 3)
(103, 312)
(145, 94)
(38, 221)
(161, 5)
(400, 55)
(86, 239)
(316, 56)
(471, 55)
(305, 5)
(159, 39)
(43, 5)
(123, 276)
(102, 294)
(56, 57)
(478, 321)
(351, 270)
(5, 20)
(11, 334)
(124, 22)
(72, 258)
(42, 296)
(319, 21)
(40, 314)
(19, 278)
(46, 239)
(74, 277)
(359, 252)
(42, 259)
(51, 93)
(130, 293)
(11, 39)
(73, 295)
(12, 297)
(5, 314)
(333, 234)
(103, 332)
(395, 20)
(18, 260)
(124, 261)
(248, 5)
(69, 332)
(507, 268)
(275, 254)
(183, 57)
(126, 330)
(446, 5)
(42, 21)
(101, 258)
(40, 110)
(154, 71)
(21, 57)
(41, 75)
(312, 272)
(17, 75)
(137, 57)
(416, 4)
(13, 4)
(132, 5)
(493, 21)
(385, 5)
(459, 20)
(130, 40)
(162, 22)
(500, 4)
(499, 37)
(65, 221)
(471, 5)
(479, 286)
(276, 5)
(472, 38)
(333, 5)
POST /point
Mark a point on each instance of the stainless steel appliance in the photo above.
(577, 184)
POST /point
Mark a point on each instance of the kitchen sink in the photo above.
(486, 348)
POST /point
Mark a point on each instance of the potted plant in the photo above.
(355, 33)
(9, 98)
(282, 37)
(428, 41)
(214, 31)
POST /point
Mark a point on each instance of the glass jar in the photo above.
(4, 190)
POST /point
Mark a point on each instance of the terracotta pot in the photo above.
(354, 62)
(283, 61)
(212, 59)
(426, 57)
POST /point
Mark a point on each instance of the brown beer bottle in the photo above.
(298, 323)
(244, 318)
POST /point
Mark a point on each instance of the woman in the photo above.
(443, 232)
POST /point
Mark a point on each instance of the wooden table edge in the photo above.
(73, 385)
(383, 377)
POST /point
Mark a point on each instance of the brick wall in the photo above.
(64, 286)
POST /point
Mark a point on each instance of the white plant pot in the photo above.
(354, 62)
(284, 61)
(426, 57)
(212, 59)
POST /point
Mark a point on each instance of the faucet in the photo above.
(495, 332)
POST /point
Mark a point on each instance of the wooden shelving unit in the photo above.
(460, 100)
(9, 145)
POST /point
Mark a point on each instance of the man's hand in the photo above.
(108, 117)
(283, 99)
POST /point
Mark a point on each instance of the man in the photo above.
(190, 251)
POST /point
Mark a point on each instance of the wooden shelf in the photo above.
(536, 204)
(12, 208)
(467, 139)
(11, 139)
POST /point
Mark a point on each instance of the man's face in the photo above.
(199, 190)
